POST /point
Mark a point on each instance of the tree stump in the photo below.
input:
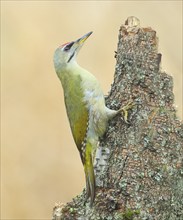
(139, 166)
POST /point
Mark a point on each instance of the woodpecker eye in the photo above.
(68, 46)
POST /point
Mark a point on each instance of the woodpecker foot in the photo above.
(125, 110)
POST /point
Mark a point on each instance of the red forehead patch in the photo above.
(64, 44)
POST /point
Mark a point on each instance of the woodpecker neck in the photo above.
(63, 68)
(61, 62)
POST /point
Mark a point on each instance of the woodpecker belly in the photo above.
(94, 98)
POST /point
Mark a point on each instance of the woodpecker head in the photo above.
(66, 53)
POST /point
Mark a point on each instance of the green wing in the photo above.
(77, 111)
(79, 117)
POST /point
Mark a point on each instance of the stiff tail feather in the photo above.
(89, 174)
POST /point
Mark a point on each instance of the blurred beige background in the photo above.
(40, 163)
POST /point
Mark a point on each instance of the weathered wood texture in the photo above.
(139, 166)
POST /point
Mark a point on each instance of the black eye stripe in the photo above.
(70, 58)
(68, 46)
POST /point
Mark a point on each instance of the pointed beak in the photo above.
(78, 44)
(81, 40)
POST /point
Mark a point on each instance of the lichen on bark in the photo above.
(139, 167)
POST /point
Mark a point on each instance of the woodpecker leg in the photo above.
(124, 111)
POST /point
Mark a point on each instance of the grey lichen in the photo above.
(139, 166)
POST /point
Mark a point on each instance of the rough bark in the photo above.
(139, 166)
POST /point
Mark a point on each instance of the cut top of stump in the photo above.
(137, 72)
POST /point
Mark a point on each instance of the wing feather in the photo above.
(77, 112)
(78, 116)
